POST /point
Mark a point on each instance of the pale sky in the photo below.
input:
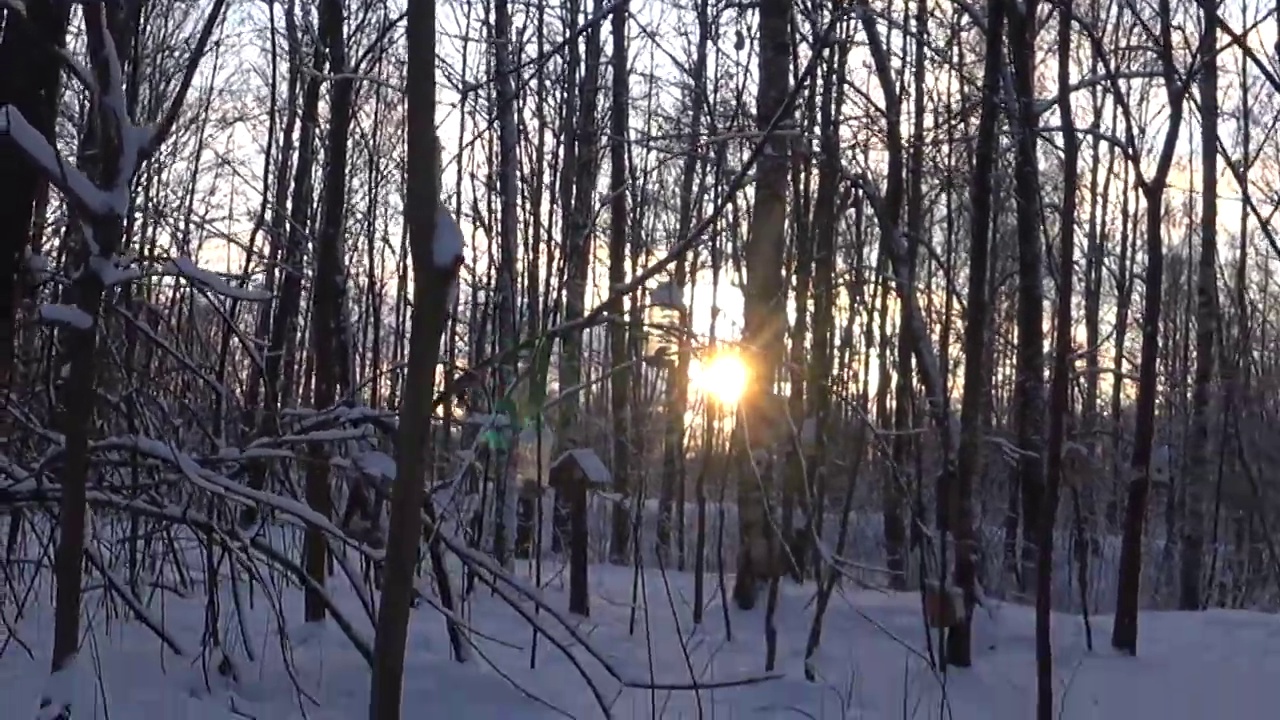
(656, 50)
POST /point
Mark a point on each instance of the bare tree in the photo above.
(329, 336)
(1029, 369)
(436, 245)
(1199, 468)
(508, 250)
(1059, 393)
(1124, 634)
(619, 380)
(969, 465)
(764, 320)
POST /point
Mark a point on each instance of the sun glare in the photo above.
(723, 377)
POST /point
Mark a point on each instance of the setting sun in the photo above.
(723, 377)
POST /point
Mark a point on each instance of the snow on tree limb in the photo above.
(89, 198)
(187, 268)
(65, 315)
(69, 180)
(110, 272)
(113, 102)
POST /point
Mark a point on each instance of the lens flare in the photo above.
(723, 377)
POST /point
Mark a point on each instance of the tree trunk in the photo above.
(578, 180)
(678, 391)
(1029, 392)
(1198, 475)
(895, 489)
(1124, 634)
(430, 314)
(114, 165)
(34, 93)
(328, 297)
(969, 463)
(277, 373)
(764, 301)
(506, 490)
(826, 216)
(1059, 400)
(619, 380)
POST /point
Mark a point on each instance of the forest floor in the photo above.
(872, 663)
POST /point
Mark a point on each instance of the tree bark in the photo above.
(619, 380)
(969, 463)
(1029, 370)
(1124, 633)
(578, 179)
(764, 302)
(34, 93)
(506, 490)
(678, 391)
(1198, 475)
(328, 298)
(1060, 390)
(278, 370)
(432, 291)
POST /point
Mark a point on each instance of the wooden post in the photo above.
(525, 509)
(579, 598)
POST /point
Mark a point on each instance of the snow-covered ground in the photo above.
(871, 664)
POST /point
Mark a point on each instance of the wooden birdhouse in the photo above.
(580, 466)
(663, 318)
(572, 475)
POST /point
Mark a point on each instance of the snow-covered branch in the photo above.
(70, 181)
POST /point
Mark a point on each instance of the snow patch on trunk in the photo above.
(447, 250)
